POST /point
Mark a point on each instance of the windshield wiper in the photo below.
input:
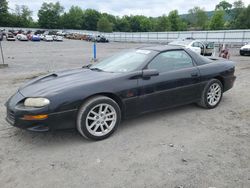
(96, 69)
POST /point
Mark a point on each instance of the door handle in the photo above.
(194, 74)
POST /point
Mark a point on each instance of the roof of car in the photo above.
(161, 48)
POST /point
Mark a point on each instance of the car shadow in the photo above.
(155, 116)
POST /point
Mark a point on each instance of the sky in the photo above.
(151, 8)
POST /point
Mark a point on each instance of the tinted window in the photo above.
(171, 60)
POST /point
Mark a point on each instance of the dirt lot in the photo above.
(183, 147)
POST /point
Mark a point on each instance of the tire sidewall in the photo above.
(85, 109)
(206, 91)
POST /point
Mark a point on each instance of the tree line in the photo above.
(53, 16)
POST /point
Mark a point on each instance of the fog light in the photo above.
(35, 117)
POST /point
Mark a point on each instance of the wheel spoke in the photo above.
(217, 90)
(110, 114)
(92, 124)
(100, 109)
(106, 125)
(110, 119)
(91, 118)
(102, 128)
(94, 113)
(105, 110)
(96, 127)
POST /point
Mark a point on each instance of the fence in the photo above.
(222, 36)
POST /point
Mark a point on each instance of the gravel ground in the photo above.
(183, 147)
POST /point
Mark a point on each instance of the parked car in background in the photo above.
(39, 32)
(35, 38)
(193, 45)
(10, 37)
(62, 33)
(208, 49)
(29, 35)
(95, 98)
(22, 37)
(58, 38)
(89, 38)
(48, 38)
(245, 50)
(100, 38)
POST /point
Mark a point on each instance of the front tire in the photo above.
(98, 118)
(212, 94)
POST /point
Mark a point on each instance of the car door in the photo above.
(196, 47)
(178, 82)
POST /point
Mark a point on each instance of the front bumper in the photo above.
(55, 120)
(245, 51)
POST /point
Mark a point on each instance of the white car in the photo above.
(193, 45)
(58, 38)
(22, 37)
(48, 38)
(245, 50)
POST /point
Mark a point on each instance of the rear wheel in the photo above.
(212, 94)
(98, 118)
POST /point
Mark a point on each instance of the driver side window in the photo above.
(171, 60)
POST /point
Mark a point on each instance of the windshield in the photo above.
(123, 62)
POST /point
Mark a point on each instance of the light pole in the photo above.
(3, 63)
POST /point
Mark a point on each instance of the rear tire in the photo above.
(98, 118)
(212, 94)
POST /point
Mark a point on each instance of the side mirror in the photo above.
(147, 73)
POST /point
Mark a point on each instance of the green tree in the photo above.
(238, 4)
(4, 15)
(243, 21)
(72, 19)
(123, 24)
(90, 19)
(145, 24)
(176, 24)
(49, 15)
(135, 23)
(217, 21)
(22, 16)
(112, 19)
(197, 18)
(162, 24)
(224, 5)
(238, 7)
(103, 25)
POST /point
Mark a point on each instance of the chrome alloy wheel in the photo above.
(101, 119)
(214, 94)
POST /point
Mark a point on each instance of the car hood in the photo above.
(56, 83)
(246, 46)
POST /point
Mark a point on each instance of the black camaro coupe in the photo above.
(95, 98)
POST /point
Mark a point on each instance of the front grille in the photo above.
(11, 116)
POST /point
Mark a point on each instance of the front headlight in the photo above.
(36, 102)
